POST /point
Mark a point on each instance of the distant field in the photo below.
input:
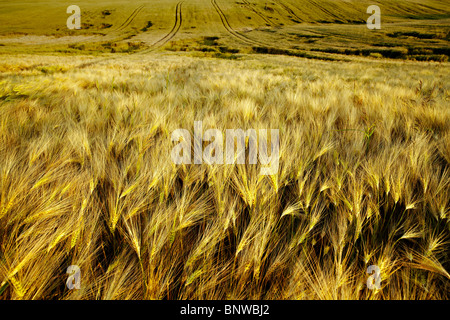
(410, 29)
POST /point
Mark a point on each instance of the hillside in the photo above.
(413, 29)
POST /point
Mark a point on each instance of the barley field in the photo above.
(87, 179)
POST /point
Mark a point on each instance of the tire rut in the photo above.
(176, 27)
(130, 19)
(290, 11)
(230, 30)
(172, 33)
(326, 11)
(267, 20)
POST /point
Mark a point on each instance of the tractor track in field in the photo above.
(176, 27)
(267, 20)
(130, 19)
(289, 10)
(323, 9)
(172, 33)
(230, 30)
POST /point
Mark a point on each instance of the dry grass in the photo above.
(86, 179)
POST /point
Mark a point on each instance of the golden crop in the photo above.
(86, 179)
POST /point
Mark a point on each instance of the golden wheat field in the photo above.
(87, 180)
(363, 177)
